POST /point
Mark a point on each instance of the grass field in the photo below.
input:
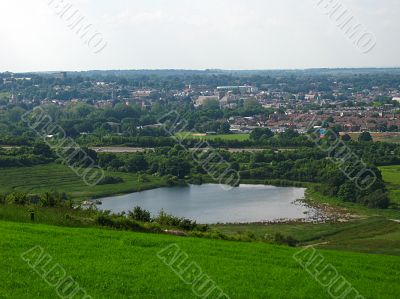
(370, 235)
(238, 137)
(42, 178)
(109, 264)
(392, 137)
(391, 176)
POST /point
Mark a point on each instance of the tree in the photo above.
(346, 138)
(347, 192)
(224, 128)
(136, 163)
(42, 149)
(289, 134)
(259, 133)
(378, 199)
(140, 214)
(365, 137)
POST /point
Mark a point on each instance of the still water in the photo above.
(210, 203)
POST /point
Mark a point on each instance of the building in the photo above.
(241, 89)
(397, 99)
(201, 100)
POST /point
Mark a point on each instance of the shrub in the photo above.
(285, 240)
(104, 220)
(118, 222)
(169, 220)
(378, 199)
(18, 198)
(140, 214)
(50, 199)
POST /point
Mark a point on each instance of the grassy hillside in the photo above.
(370, 235)
(42, 178)
(109, 264)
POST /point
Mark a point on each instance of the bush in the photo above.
(17, 198)
(182, 223)
(52, 199)
(285, 240)
(118, 222)
(378, 199)
(140, 214)
(104, 220)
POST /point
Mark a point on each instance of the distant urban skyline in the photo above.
(42, 35)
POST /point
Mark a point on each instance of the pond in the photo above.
(211, 204)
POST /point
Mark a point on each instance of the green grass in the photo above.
(391, 176)
(110, 264)
(237, 137)
(370, 235)
(42, 178)
(59, 216)
(354, 208)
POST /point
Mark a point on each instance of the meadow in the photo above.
(391, 137)
(237, 137)
(110, 264)
(42, 178)
(377, 235)
(391, 176)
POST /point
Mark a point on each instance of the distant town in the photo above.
(346, 99)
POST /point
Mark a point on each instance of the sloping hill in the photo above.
(114, 264)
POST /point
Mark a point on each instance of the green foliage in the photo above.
(377, 199)
(17, 198)
(260, 133)
(285, 240)
(182, 223)
(365, 137)
(140, 214)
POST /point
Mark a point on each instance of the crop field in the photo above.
(110, 264)
(391, 176)
(42, 178)
(393, 137)
(237, 137)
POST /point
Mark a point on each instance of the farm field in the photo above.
(237, 137)
(42, 178)
(391, 176)
(393, 137)
(110, 264)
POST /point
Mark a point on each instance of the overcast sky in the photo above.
(195, 34)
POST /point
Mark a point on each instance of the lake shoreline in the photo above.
(205, 203)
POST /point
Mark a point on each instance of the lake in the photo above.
(211, 204)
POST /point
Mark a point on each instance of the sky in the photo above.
(194, 34)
